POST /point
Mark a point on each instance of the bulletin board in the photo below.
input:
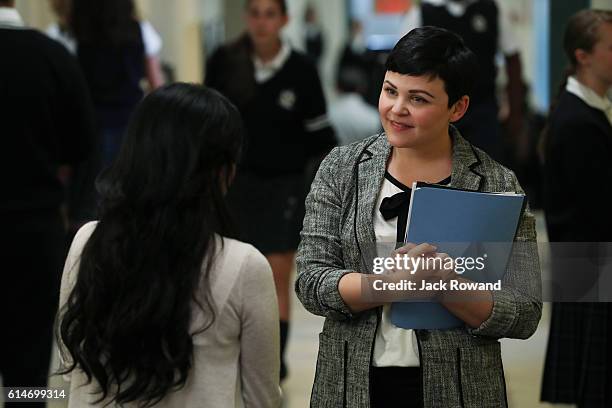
(393, 6)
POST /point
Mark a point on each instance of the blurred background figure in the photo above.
(60, 30)
(112, 53)
(486, 32)
(313, 35)
(279, 94)
(117, 54)
(47, 129)
(351, 117)
(357, 56)
(577, 192)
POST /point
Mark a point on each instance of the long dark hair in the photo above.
(581, 33)
(126, 323)
(105, 22)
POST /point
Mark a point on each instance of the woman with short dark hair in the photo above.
(357, 201)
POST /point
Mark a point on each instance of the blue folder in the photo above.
(460, 223)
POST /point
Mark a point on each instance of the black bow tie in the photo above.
(393, 206)
(397, 206)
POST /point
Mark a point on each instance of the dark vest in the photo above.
(479, 28)
(113, 74)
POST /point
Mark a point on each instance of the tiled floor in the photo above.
(523, 359)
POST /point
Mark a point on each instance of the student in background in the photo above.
(279, 95)
(111, 52)
(61, 31)
(577, 191)
(351, 117)
(486, 32)
(47, 128)
(115, 52)
(313, 35)
(158, 306)
(355, 202)
(371, 64)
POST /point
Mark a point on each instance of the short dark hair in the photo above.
(438, 53)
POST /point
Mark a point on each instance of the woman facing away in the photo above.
(279, 95)
(364, 360)
(157, 306)
(577, 191)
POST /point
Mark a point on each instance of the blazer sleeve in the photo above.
(517, 307)
(320, 263)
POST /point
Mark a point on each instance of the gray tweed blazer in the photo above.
(461, 367)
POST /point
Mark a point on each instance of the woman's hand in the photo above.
(424, 268)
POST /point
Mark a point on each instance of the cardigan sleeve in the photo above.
(320, 264)
(517, 307)
(69, 278)
(259, 334)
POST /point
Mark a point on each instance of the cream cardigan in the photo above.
(236, 361)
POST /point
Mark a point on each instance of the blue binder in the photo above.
(460, 223)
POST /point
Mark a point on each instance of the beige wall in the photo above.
(601, 4)
(178, 23)
(36, 13)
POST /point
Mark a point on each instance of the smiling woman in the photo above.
(426, 88)
(415, 109)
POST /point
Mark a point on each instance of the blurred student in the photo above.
(351, 117)
(47, 128)
(115, 52)
(313, 34)
(61, 31)
(577, 191)
(111, 52)
(279, 94)
(371, 64)
(158, 306)
(486, 32)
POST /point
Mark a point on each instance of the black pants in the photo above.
(396, 387)
(32, 248)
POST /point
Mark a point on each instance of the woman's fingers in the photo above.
(422, 249)
(404, 249)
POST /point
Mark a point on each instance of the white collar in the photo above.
(265, 70)
(455, 8)
(589, 96)
(9, 17)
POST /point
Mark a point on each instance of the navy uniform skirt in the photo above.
(268, 210)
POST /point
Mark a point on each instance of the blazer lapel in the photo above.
(464, 173)
(370, 172)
